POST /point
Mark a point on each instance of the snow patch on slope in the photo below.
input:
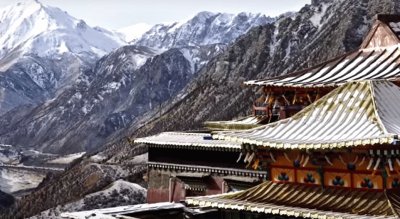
(67, 158)
(14, 180)
(118, 186)
(135, 31)
(204, 29)
(118, 193)
(316, 19)
(120, 211)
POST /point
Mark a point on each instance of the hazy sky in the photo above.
(115, 14)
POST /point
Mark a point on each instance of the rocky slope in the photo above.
(116, 194)
(6, 201)
(203, 29)
(94, 175)
(316, 33)
(43, 51)
(109, 98)
(124, 85)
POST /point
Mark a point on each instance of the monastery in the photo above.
(321, 143)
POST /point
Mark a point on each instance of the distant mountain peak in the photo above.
(43, 30)
(131, 81)
(28, 2)
(204, 28)
(43, 49)
(25, 8)
(205, 14)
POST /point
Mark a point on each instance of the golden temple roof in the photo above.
(365, 64)
(238, 124)
(377, 58)
(355, 114)
(307, 201)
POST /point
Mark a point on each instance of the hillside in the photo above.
(316, 33)
(44, 50)
(121, 87)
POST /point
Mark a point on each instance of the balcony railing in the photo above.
(275, 113)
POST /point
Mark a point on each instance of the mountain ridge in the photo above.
(44, 50)
(292, 43)
(107, 98)
(204, 28)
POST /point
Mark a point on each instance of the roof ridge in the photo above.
(322, 100)
(305, 70)
(184, 133)
(347, 116)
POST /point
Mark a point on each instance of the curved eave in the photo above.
(366, 64)
(187, 145)
(275, 209)
(388, 139)
(304, 86)
(299, 73)
(214, 126)
(291, 85)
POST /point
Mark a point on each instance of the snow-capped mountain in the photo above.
(203, 29)
(123, 86)
(32, 27)
(109, 98)
(45, 50)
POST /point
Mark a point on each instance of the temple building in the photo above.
(337, 158)
(377, 58)
(321, 143)
(193, 164)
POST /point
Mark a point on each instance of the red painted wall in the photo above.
(159, 186)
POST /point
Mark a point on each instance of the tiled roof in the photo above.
(366, 64)
(307, 201)
(355, 114)
(377, 58)
(183, 139)
(243, 123)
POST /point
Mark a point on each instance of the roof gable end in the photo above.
(385, 32)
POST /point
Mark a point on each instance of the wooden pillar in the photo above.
(283, 112)
(269, 175)
(351, 180)
(384, 175)
(171, 189)
(223, 186)
(320, 171)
